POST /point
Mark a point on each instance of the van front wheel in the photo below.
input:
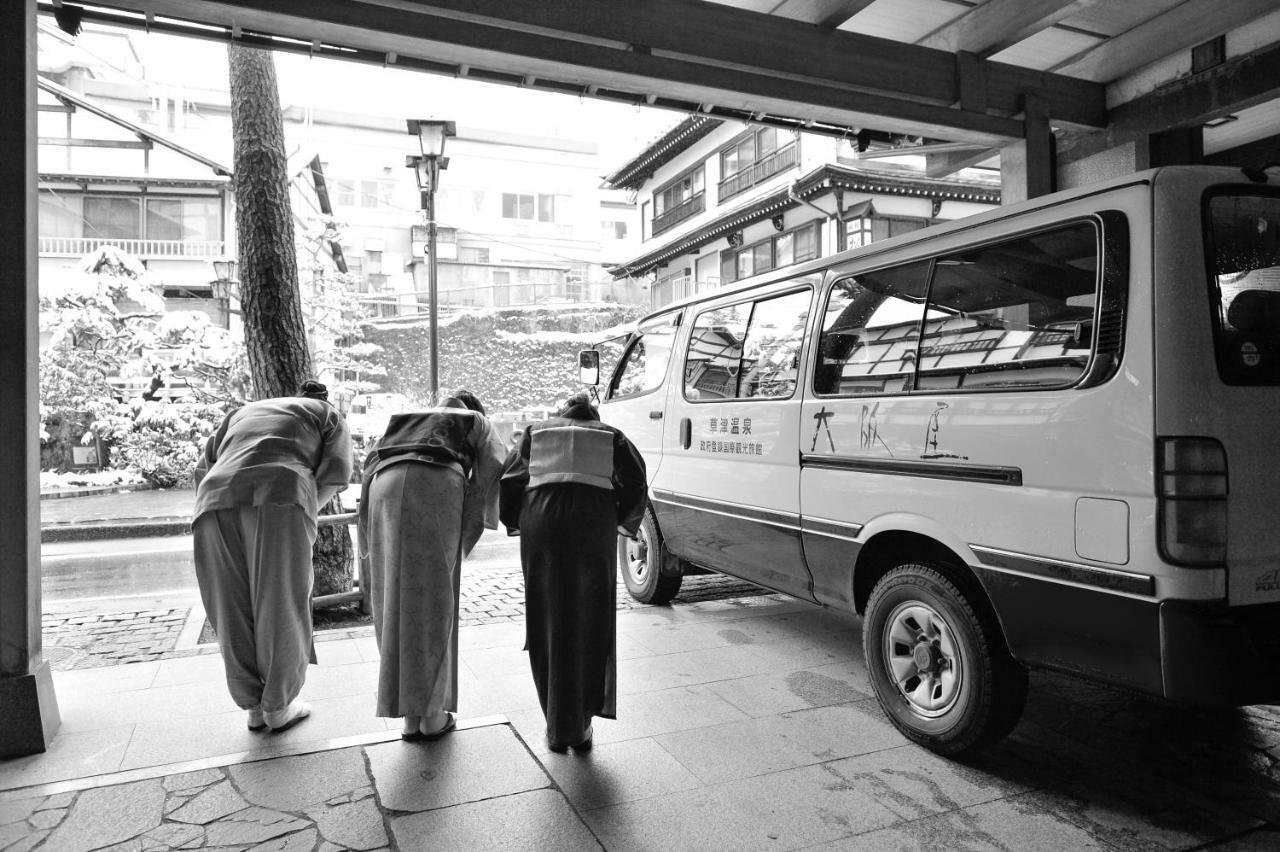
(640, 561)
(939, 665)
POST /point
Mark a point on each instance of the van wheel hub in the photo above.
(924, 657)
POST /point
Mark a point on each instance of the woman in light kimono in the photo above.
(427, 494)
(264, 475)
(573, 484)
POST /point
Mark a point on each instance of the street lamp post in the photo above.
(224, 284)
(431, 136)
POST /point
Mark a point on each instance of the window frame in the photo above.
(671, 320)
(1110, 301)
(800, 286)
(730, 257)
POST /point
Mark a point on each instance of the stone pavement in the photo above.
(83, 639)
(742, 724)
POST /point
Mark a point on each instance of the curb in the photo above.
(93, 491)
(115, 529)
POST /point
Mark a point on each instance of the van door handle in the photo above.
(655, 415)
(686, 432)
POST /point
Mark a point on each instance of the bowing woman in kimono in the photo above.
(569, 488)
(264, 474)
(428, 492)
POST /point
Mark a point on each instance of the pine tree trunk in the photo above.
(275, 334)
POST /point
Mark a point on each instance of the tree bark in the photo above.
(274, 331)
(275, 335)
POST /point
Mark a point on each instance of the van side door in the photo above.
(728, 495)
(635, 400)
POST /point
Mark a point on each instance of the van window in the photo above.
(1013, 314)
(1244, 263)
(750, 350)
(869, 331)
(715, 352)
(771, 353)
(644, 364)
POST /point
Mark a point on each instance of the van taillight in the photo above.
(1191, 483)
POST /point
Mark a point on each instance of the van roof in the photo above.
(1016, 209)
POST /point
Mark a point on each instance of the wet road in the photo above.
(112, 574)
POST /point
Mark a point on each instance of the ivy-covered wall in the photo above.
(512, 359)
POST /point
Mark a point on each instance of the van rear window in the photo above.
(1244, 266)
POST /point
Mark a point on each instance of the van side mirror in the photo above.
(589, 367)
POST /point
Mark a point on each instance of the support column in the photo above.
(1027, 167)
(28, 708)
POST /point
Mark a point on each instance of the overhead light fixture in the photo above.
(1218, 122)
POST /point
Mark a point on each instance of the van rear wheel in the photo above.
(939, 664)
(640, 561)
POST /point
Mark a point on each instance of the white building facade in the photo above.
(720, 201)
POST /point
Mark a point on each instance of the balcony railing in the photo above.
(674, 289)
(143, 249)
(670, 218)
(779, 160)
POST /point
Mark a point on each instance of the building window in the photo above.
(125, 217)
(113, 218)
(678, 200)
(184, 219)
(795, 246)
(344, 193)
(753, 158)
(857, 232)
(519, 206)
(377, 193)
(614, 230)
(471, 254)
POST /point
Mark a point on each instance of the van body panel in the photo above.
(742, 461)
(642, 415)
(1093, 632)
(1192, 399)
(1044, 476)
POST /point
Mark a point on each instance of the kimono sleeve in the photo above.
(515, 478)
(333, 473)
(210, 455)
(630, 485)
(480, 506)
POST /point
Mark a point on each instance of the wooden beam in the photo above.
(948, 163)
(1257, 153)
(1181, 28)
(825, 13)
(997, 24)
(1235, 85)
(635, 48)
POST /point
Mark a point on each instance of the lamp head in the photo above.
(432, 135)
(225, 270)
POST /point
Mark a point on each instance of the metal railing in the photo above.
(360, 592)
(80, 246)
(674, 289)
(674, 216)
(779, 160)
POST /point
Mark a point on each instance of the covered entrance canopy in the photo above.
(1065, 91)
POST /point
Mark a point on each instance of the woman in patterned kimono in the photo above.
(428, 492)
(264, 475)
(572, 485)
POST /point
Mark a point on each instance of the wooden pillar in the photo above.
(1027, 167)
(28, 708)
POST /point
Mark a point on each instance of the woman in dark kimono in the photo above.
(569, 488)
(427, 494)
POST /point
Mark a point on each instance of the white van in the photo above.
(1037, 437)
